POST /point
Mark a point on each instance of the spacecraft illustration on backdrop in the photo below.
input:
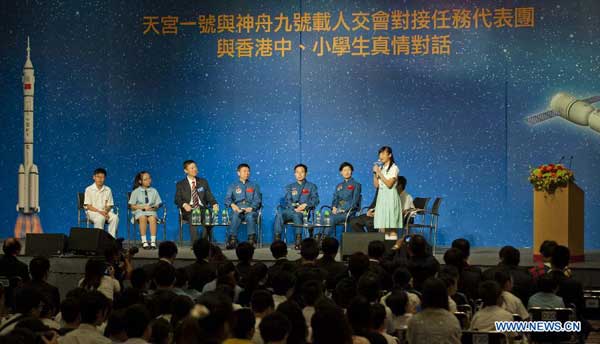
(578, 111)
(28, 205)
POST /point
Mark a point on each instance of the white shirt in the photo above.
(451, 305)
(514, 305)
(98, 198)
(191, 181)
(393, 172)
(406, 200)
(484, 319)
(85, 334)
(108, 286)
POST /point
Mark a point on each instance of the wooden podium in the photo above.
(559, 216)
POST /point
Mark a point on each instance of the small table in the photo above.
(310, 227)
(211, 225)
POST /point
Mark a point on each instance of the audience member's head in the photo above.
(309, 249)
(262, 303)
(402, 278)
(167, 250)
(244, 252)
(220, 311)
(94, 271)
(547, 248)
(139, 279)
(94, 308)
(293, 313)
(311, 291)
(330, 246)
(70, 312)
(39, 267)
(29, 302)
(129, 297)
(449, 275)
(490, 292)
(181, 278)
(201, 249)
(369, 287)
(282, 283)
(278, 249)
(435, 294)
(161, 331)
(164, 275)
(11, 247)
(560, 257)
(359, 315)
(358, 264)
(510, 256)
(243, 323)
(376, 249)
(180, 308)
(274, 328)
(547, 284)
(344, 292)
(377, 317)
(417, 246)
(397, 301)
(329, 325)
(504, 279)
(138, 322)
(454, 257)
(464, 246)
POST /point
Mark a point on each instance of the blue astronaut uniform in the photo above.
(346, 198)
(295, 195)
(244, 195)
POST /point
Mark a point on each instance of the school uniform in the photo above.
(144, 196)
(296, 194)
(100, 199)
(346, 198)
(244, 195)
(388, 209)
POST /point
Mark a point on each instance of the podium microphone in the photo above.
(570, 162)
(561, 159)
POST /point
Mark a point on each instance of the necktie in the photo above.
(195, 198)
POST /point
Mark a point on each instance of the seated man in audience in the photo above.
(327, 262)
(569, 289)
(40, 268)
(376, 251)
(403, 282)
(449, 275)
(244, 199)
(245, 253)
(70, 314)
(138, 324)
(12, 269)
(307, 265)
(378, 323)
(510, 302)
(283, 286)
(470, 275)
(421, 263)
(167, 252)
(546, 296)
(275, 329)
(29, 304)
(522, 281)
(540, 268)
(484, 319)
(401, 309)
(262, 305)
(300, 196)
(242, 330)
(279, 252)
(201, 271)
(94, 310)
(98, 203)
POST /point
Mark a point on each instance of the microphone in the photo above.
(570, 162)
(561, 159)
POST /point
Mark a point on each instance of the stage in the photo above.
(67, 270)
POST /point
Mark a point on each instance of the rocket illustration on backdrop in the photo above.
(28, 205)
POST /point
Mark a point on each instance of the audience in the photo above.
(201, 271)
(242, 327)
(262, 305)
(334, 268)
(484, 319)
(544, 266)
(39, 267)
(546, 296)
(101, 278)
(274, 329)
(94, 311)
(509, 301)
(522, 282)
(245, 253)
(298, 333)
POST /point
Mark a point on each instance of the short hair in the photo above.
(303, 166)
(454, 256)
(201, 248)
(240, 166)
(27, 299)
(377, 315)
(309, 249)
(449, 275)
(358, 264)
(397, 302)
(435, 294)
(561, 256)
(329, 325)
(510, 255)
(330, 246)
(502, 276)
(11, 246)
(346, 164)
(139, 278)
(463, 245)
(39, 267)
(261, 300)
(547, 284)
(282, 281)
(100, 170)
(181, 277)
(92, 302)
(243, 323)
(311, 291)
(167, 249)
(376, 249)
(490, 292)
(402, 181)
(188, 163)
(244, 251)
(274, 327)
(69, 309)
(164, 274)
(369, 286)
(278, 249)
(138, 320)
(418, 245)
(547, 247)
(344, 292)
(401, 277)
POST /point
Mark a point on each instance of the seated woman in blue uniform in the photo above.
(299, 196)
(144, 201)
(346, 197)
(244, 199)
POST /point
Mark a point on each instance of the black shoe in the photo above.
(252, 239)
(231, 244)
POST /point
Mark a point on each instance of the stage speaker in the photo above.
(90, 241)
(358, 242)
(49, 244)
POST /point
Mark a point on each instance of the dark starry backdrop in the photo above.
(106, 95)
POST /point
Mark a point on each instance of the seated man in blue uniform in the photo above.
(346, 198)
(299, 196)
(244, 199)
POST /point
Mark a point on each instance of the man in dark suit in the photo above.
(40, 268)
(201, 271)
(194, 193)
(12, 270)
(334, 269)
(522, 281)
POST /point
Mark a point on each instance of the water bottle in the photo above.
(318, 218)
(207, 217)
(327, 218)
(224, 217)
(305, 218)
(195, 216)
(215, 217)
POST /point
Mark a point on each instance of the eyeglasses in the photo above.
(146, 194)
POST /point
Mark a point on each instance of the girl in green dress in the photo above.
(388, 209)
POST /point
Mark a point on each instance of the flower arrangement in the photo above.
(549, 177)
